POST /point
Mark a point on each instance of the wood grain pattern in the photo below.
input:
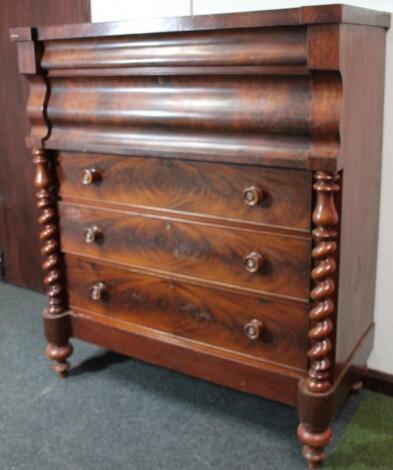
(166, 261)
(193, 358)
(285, 120)
(270, 105)
(361, 150)
(323, 274)
(49, 235)
(197, 313)
(256, 19)
(203, 251)
(319, 383)
(189, 70)
(236, 47)
(53, 264)
(191, 187)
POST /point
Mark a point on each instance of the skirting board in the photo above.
(378, 382)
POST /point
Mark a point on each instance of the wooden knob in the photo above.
(252, 195)
(98, 291)
(90, 176)
(253, 329)
(93, 234)
(253, 262)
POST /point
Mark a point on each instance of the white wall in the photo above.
(118, 10)
(108, 10)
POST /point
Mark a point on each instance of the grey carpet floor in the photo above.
(115, 413)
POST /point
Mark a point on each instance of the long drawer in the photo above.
(233, 192)
(269, 330)
(241, 258)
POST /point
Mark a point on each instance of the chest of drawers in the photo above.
(208, 190)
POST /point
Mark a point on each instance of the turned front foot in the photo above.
(357, 387)
(59, 355)
(314, 444)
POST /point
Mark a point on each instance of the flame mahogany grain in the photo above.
(203, 251)
(197, 188)
(233, 47)
(181, 119)
(279, 119)
(202, 314)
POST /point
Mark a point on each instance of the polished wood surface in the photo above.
(282, 120)
(195, 250)
(325, 218)
(271, 105)
(49, 235)
(198, 188)
(234, 47)
(359, 238)
(288, 118)
(218, 181)
(198, 360)
(53, 264)
(319, 381)
(189, 311)
(320, 14)
(19, 238)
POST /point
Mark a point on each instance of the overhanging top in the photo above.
(329, 14)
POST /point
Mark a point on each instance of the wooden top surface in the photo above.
(286, 17)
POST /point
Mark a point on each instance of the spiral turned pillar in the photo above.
(55, 320)
(315, 433)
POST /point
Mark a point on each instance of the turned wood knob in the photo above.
(93, 234)
(253, 262)
(90, 176)
(253, 329)
(98, 291)
(252, 195)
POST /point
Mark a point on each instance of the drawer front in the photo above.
(238, 192)
(201, 314)
(237, 257)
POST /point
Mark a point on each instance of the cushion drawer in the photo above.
(210, 189)
(204, 251)
(190, 311)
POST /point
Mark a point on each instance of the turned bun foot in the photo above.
(312, 464)
(59, 355)
(356, 387)
(314, 445)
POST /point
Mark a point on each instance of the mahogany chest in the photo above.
(208, 190)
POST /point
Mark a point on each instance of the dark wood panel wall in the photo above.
(18, 216)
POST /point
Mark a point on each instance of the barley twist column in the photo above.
(315, 431)
(55, 321)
